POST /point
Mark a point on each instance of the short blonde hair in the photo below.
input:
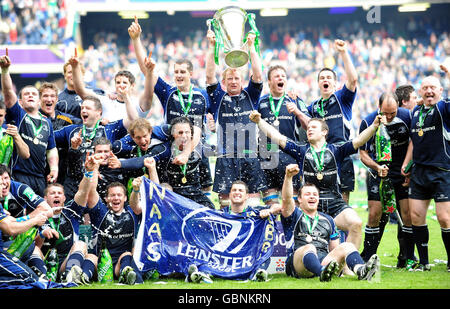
(225, 72)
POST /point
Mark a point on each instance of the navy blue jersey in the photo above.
(168, 96)
(124, 147)
(297, 234)
(67, 223)
(433, 148)
(62, 119)
(112, 131)
(21, 199)
(398, 130)
(289, 125)
(38, 144)
(70, 102)
(134, 165)
(338, 114)
(120, 229)
(333, 157)
(232, 115)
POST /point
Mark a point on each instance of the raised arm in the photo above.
(268, 130)
(350, 71)
(87, 194)
(134, 31)
(131, 111)
(365, 135)
(77, 76)
(9, 94)
(257, 75)
(145, 101)
(210, 64)
(287, 191)
(134, 196)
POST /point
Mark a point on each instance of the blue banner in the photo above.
(176, 232)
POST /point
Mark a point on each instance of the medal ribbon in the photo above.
(189, 103)
(319, 159)
(276, 110)
(94, 131)
(321, 110)
(308, 222)
(422, 117)
(38, 130)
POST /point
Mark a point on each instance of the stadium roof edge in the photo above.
(85, 6)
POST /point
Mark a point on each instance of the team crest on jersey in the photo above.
(226, 235)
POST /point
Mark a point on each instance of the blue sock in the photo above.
(353, 259)
(88, 268)
(76, 258)
(125, 261)
(312, 263)
(38, 262)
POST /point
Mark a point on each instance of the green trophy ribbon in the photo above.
(219, 39)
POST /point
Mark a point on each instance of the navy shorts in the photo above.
(332, 206)
(347, 175)
(429, 182)
(246, 169)
(275, 176)
(373, 187)
(205, 173)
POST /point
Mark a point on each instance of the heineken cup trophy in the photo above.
(229, 27)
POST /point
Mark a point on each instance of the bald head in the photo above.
(430, 90)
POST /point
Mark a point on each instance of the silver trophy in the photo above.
(229, 27)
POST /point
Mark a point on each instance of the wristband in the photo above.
(89, 174)
(137, 191)
(23, 219)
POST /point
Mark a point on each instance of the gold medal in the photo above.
(420, 133)
(308, 238)
(319, 176)
(184, 180)
(276, 123)
(36, 141)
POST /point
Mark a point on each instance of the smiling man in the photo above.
(115, 221)
(183, 99)
(237, 136)
(314, 248)
(430, 132)
(35, 130)
(81, 137)
(320, 163)
(335, 107)
(276, 108)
